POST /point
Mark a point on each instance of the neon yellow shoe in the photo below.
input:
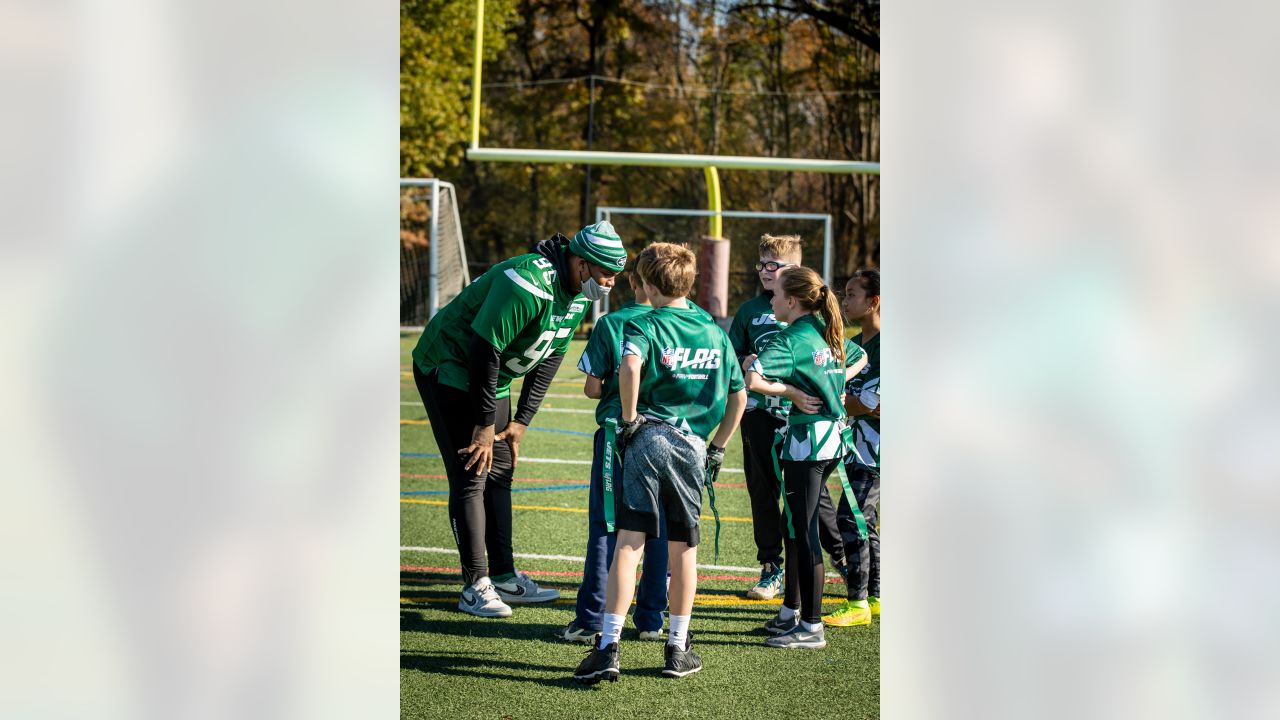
(851, 613)
(874, 602)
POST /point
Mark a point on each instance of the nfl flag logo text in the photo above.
(669, 357)
(822, 357)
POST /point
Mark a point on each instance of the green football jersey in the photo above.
(688, 367)
(866, 386)
(800, 356)
(602, 355)
(753, 327)
(518, 306)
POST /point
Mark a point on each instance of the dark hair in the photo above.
(869, 280)
(807, 288)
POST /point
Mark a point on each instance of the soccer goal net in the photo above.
(433, 260)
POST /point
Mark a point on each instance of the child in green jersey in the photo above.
(677, 383)
(754, 325)
(862, 401)
(809, 354)
(600, 360)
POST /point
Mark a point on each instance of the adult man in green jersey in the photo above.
(514, 321)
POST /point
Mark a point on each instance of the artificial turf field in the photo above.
(454, 665)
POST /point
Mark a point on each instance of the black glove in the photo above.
(630, 428)
(715, 458)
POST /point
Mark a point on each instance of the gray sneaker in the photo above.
(778, 626)
(798, 637)
(522, 589)
(481, 600)
(769, 585)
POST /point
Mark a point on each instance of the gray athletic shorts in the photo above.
(662, 471)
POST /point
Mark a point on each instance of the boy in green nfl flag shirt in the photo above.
(862, 401)
(754, 325)
(677, 384)
(516, 320)
(808, 353)
(600, 362)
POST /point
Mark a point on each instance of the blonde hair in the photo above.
(780, 246)
(812, 294)
(668, 267)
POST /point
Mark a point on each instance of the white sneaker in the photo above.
(651, 634)
(481, 600)
(771, 583)
(522, 589)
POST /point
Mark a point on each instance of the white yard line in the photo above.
(574, 558)
(557, 461)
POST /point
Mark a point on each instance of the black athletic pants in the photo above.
(768, 523)
(479, 505)
(864, 555)
(804, 573)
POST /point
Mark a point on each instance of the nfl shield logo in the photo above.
(669, 357)
(822, 357)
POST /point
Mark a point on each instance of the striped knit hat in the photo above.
(599, 244)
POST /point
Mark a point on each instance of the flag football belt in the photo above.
(711, 497)
(606, 471)
(846, 436)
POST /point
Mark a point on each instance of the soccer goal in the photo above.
(433, 260)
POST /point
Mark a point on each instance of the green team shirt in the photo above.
(518, 307)
(800, 356)
(688, 367)
(753, 327)
(866, 384)
(603, 354)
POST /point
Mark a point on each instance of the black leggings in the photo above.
(479, 505)
(803, 484)
(864, 555)
(768, 523)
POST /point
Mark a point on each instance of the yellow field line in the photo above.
(415, 422)
(699, 600)
(558, 509)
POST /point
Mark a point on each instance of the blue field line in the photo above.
(563, 432)
(515, 490)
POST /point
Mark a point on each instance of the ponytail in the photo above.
(807, 288)
(834, 332)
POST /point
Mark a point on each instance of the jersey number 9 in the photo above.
(536, 352)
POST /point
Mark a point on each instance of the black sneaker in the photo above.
(600, 664)
(682, 662)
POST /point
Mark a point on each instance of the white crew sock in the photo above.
(810, 627)
(678, 631)
(612, 631)
(785, 613)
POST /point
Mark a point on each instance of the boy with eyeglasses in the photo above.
(754, 326)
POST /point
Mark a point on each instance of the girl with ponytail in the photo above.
(809, 354)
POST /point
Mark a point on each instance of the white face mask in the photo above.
(594, 290)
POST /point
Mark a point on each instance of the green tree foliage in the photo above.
(680, 76)
(436, 49)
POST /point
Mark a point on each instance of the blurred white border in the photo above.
(199, 438)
